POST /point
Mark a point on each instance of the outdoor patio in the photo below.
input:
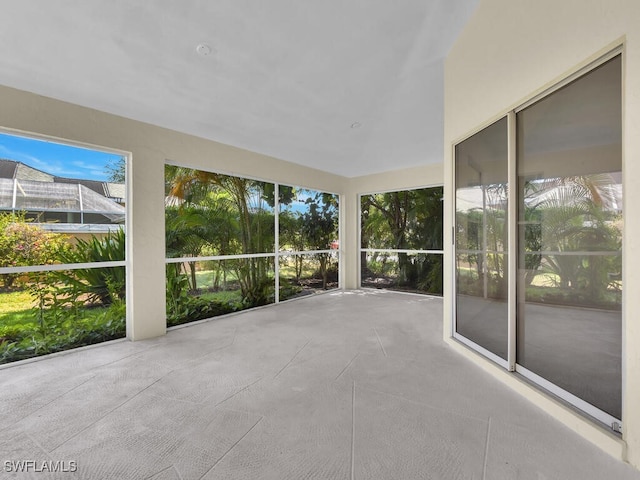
(342, 385)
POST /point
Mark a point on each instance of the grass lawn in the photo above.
(205, 278)
(24, 334)
(288, 270)
(225, 296)
(16, 308)
(15, 301)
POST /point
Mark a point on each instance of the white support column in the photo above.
(341, 229)
(146, 272)
(350, 240)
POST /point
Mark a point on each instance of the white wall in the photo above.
(510, 51)
(150, 147)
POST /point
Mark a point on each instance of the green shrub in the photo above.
(16, 333)
(100, 285)
(183, 307)
(64, 315)
(192, 308)
(23, 244)
(89, 326)
(288, 289)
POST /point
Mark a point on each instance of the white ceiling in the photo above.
(286, 78)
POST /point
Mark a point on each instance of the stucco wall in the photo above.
(510, 51)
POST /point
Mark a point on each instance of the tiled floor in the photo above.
(344, 385)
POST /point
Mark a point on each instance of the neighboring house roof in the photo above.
(14, 169)
(25, 172)
(7, 168)
(116, 191)
(31, 195)
(28, 189)
(94, 185)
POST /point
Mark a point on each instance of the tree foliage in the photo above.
(319, 225)
(116, 170)
(405, 220)
(570, 240)
(210, 214)
(214, 214)
(576, 217)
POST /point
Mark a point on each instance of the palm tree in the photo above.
(234, 212)
(577, 215)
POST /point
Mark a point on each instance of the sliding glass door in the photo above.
(567, 295)
(481, 239)
(570, 238)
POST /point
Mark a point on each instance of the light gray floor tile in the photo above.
(395, 438)
(347, 385)
(308, 437)
(538, 449)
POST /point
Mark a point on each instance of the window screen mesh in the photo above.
(6, 193)
(58, 197)
(93, 202)
(32, 195)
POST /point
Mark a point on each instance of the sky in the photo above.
(56, 158)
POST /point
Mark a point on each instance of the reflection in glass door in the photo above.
(565, 301)
(570, 238)
(481, 239)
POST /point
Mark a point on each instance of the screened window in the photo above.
(308, 241)
(401, 240)
(62, 246)
(234, 243)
